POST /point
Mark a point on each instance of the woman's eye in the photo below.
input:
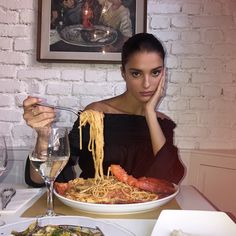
(156, 72)
(135, 74)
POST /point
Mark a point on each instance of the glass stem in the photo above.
(50, 208)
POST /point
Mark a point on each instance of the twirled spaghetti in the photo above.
(96, 141)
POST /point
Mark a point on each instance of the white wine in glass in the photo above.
(49, 157)
(3, 161)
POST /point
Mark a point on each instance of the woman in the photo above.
(136, 136)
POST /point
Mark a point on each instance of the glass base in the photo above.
(50, 214)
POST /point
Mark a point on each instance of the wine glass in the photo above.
(49, 156)
(3, 161)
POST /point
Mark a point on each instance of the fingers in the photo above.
(163, 78)
(42, 123)
(28, 105)
(38, 110)
(37, 116)
(30, 101)
(160, 92)
(163, 86)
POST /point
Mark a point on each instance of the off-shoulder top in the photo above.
(127, 143)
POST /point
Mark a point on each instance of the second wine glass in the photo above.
(49, 157)
(3, 162)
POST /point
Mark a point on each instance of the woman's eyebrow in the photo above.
(135, 69)
(156, 68)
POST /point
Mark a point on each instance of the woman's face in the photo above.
(142, 74)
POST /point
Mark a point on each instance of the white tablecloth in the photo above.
(188, 199)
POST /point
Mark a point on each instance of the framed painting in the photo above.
(87, 30)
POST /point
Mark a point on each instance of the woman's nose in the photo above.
(146, 81)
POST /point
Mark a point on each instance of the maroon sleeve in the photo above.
(166, 163)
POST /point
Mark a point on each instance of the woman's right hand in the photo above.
(37, 116)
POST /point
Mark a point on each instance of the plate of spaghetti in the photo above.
(114, 193)
(115, 208)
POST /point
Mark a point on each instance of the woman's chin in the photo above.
(145, 98)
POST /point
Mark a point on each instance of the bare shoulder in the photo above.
(98, 106)
(106, 106)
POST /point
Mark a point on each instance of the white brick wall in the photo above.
(199, 36)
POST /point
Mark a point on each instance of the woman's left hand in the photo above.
(160, 92)
(156, 133)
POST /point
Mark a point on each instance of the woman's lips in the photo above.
(146, 94)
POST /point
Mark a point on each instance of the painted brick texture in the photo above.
(200, 40)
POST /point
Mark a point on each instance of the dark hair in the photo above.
(138, 43)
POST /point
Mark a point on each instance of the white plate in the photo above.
(105, 227)
(196, 223)
(116, 208)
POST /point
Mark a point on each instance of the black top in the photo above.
(127, 143)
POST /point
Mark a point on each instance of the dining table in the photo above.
(140, 224)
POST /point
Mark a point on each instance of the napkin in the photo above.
(20, 199)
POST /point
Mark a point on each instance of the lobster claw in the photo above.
(61, 187)
(159, 186)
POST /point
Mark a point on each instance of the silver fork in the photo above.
(60, 108)
(53, 106)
